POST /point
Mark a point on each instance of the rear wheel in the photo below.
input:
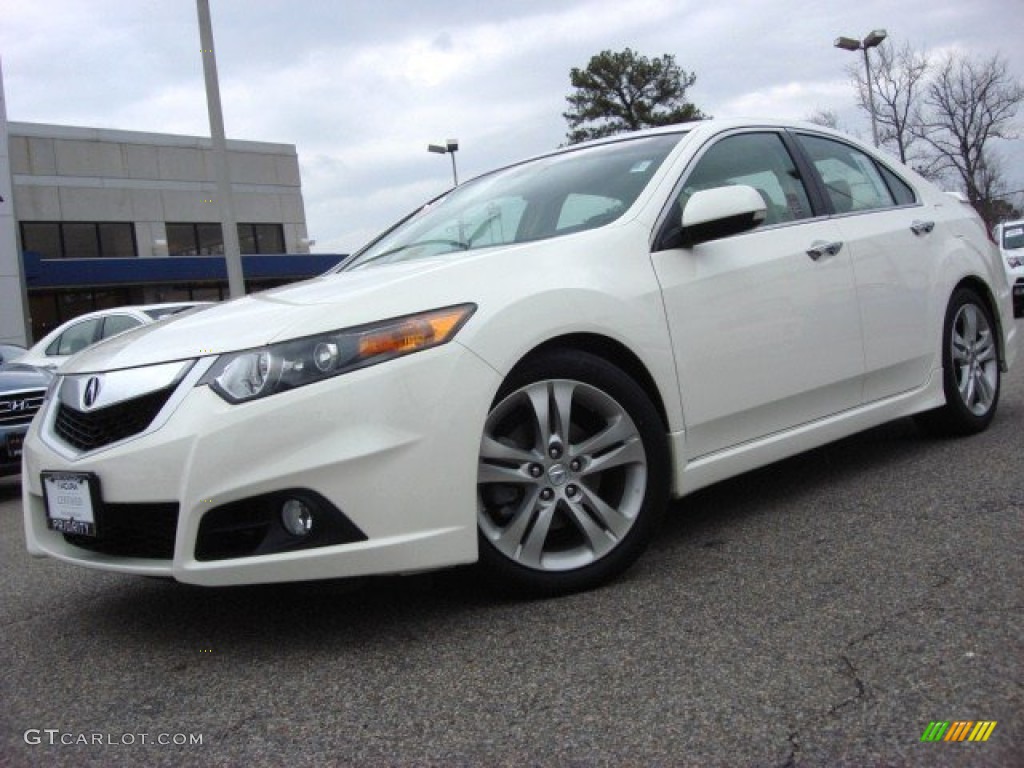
(573, 475)
(970, 368)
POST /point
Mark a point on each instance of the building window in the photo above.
(204, 239)
(194, 239)
(79, 239)
(261, 238)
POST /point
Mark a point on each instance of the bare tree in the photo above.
(898, 80)
(827, 118)
(967, 104)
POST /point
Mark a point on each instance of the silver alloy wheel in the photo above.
(976, 365)
(562, 475)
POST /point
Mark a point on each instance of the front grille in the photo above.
(132, 530)
(18, 408)
(89, 430)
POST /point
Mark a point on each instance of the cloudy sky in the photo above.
(362, 87)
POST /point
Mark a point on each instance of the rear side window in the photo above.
(852, 180)
(75, 338)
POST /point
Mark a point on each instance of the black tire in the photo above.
(567, 503)
(971, 376)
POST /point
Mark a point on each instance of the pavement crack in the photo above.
(851, 672)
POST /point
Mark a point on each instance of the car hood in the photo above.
(15, 377)
(315, 306)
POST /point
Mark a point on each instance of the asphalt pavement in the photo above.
(820, 612)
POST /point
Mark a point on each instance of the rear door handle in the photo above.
(922, 227)
(821, 248)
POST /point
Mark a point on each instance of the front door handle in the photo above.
(922, 227)
(820, 248)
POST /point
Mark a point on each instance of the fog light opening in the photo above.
(297, 517)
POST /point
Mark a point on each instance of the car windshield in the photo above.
(539, 199)
(1013, 236)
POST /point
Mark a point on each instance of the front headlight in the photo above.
(242, 376)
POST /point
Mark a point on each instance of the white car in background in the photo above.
(1010, 238)
(83, 331)
(525, 370)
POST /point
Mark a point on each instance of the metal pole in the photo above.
(455, 174)
(871, 95)
(229, 227)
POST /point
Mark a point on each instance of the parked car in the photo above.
(1010, 237)
(525, 370)
(22, 389)
(10, 352)
(85, 330)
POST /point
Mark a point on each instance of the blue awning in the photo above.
(43, 273)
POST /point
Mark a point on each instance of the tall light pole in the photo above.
(450, 147)
(228, 225)
(849, 44)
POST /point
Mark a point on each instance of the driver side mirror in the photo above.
(711, 214)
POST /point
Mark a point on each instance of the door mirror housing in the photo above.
(720, 212)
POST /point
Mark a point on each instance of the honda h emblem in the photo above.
(92, 390)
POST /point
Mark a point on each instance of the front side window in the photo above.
(549, 197)
(852, 180)
(758, 160)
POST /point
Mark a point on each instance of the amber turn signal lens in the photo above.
(412, 334)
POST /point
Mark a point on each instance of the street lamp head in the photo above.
(847, 43)
(436, 148)
(875, 38)
(453, 144)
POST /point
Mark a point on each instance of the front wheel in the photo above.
(970, 368)
(573, 475)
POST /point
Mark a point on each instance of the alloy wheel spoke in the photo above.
(562, 395)
(612, 519)
(540, 402)
(597, 541)
(497, 451)
(511, 537)
(986, 391)
(533, 547)
(629, 452)
(618, 431)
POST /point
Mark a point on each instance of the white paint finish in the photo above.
(765, 337)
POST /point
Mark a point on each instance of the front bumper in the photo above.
(394, 447)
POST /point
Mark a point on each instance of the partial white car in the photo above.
(524, 371)
(1010, 238)
(83, 331)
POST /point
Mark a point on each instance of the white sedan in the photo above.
(69, 338)
(523, 372)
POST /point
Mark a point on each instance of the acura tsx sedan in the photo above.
(523, 372)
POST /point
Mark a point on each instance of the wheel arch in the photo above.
(611, 351)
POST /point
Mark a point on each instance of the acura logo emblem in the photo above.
(92, 390)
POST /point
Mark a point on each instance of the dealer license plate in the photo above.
(71, 502)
